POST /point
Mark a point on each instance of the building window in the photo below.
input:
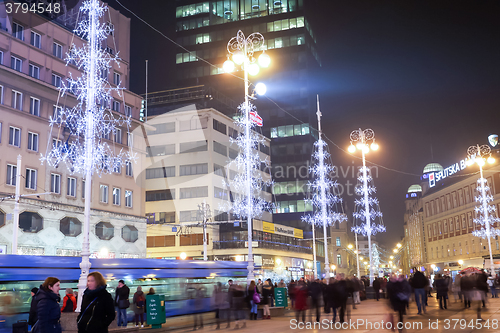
(104, 74)
(193, 124)
(34, 71)
(11, 174)
(220, 193)
(57, 113)
(56, 80)
(337, 241)
(339, 260)
(71, 187)
(289, 130)
(35, 106)
(219, 170)
(220, 148)
(117, 168)
(104, 230)
(109, 50)
(30, 179)
(116, 106)
(103, 193)
(188, 216)
(16, 64)
(233, 153)
(162, 172)
(18, 31)
(36, 39)
(57, 50)
(105, 134)
(17, 100)
(118, 135)
(160, 195)
(128, 111)
(130, 139)
(128, 168)
(30, 222)
(130, 233)
(70, 226)
(219, 127)
(191, 147)
(116, 196)
(15, 136)
(83, 189)
(128, 198)
(55, 183)
(193, 169)
(194, 192)
(116, 78)
(32, 141)
(1, 94)
(56, 143)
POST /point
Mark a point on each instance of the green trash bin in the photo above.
(280, 297)
(155, 307)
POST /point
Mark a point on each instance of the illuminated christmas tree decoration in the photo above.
(323, 199)
(89, 127)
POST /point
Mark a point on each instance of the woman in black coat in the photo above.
(48, 311)
(98, 310)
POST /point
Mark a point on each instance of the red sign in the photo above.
(255, 118)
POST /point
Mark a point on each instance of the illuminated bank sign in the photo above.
(449, 171)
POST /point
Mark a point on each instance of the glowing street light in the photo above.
(183, 256)
(460, 262)
(368, 206)
(398, 245)
(260, 89)
(485, 213)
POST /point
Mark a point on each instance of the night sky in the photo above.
(424, 75)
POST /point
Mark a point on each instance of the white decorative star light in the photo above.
(365, 192)
(248, 160)
(485, 214)
(89, 127)
(323, 204)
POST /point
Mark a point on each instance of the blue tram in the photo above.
(176, 279)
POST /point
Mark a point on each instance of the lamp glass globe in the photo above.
(352, 149)
(238, 57)
(253, 69)
(228, 66)
(264, 60)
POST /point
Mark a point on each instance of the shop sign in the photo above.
(254, 244)
(282, 230)
(280, 298)
(268, 262)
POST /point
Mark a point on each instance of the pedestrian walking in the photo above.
(48, 312)
(97, 311)
(466, 286)
(493, 289)
(69, 301)
(237, 299)
(122, 302)
(441, 290)
(199, 295)
(139, 303)
(482, 286)
(419, 283)
(254, 299)
(398, 293)
(315, 291)
(341, 294)
(301, 294)
(219, 299)
(267, 291)
(376, 287)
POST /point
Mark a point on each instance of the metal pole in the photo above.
(322, 190)
(367, 211)
(486, 217)
(357, 255)
(89, 150)
(15, 227)
(248, 170)
(146, 104)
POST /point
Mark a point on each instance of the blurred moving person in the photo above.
(122, 302)
(419, 283)
(48, 312)
(493, 289)
(32, 314)
(139, 302)
(220, 300)
(254, 298)
(97, 311)
(441, 291)
(267, 291)
(199, 295)
(315, 290)
(237, 299)
(301, 294)
(398, 292)
(69, 301)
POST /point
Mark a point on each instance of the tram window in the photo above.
(2, 218)
(70, 226)
(30, 222)
(104, 230)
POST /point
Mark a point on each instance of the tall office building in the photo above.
(204, 28)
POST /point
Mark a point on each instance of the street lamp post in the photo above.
(485, 212)
(204, 211)
(242, 50)
(362, 138)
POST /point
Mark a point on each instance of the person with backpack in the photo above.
(97, 310)
(122, 303)
(69, 301)
(139, 302)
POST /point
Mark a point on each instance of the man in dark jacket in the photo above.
(32, 316)
(341, 293)
(122, 302)
(419, 282)
(315, 292)
(441, 290)
(466, 286)
(376, 287)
